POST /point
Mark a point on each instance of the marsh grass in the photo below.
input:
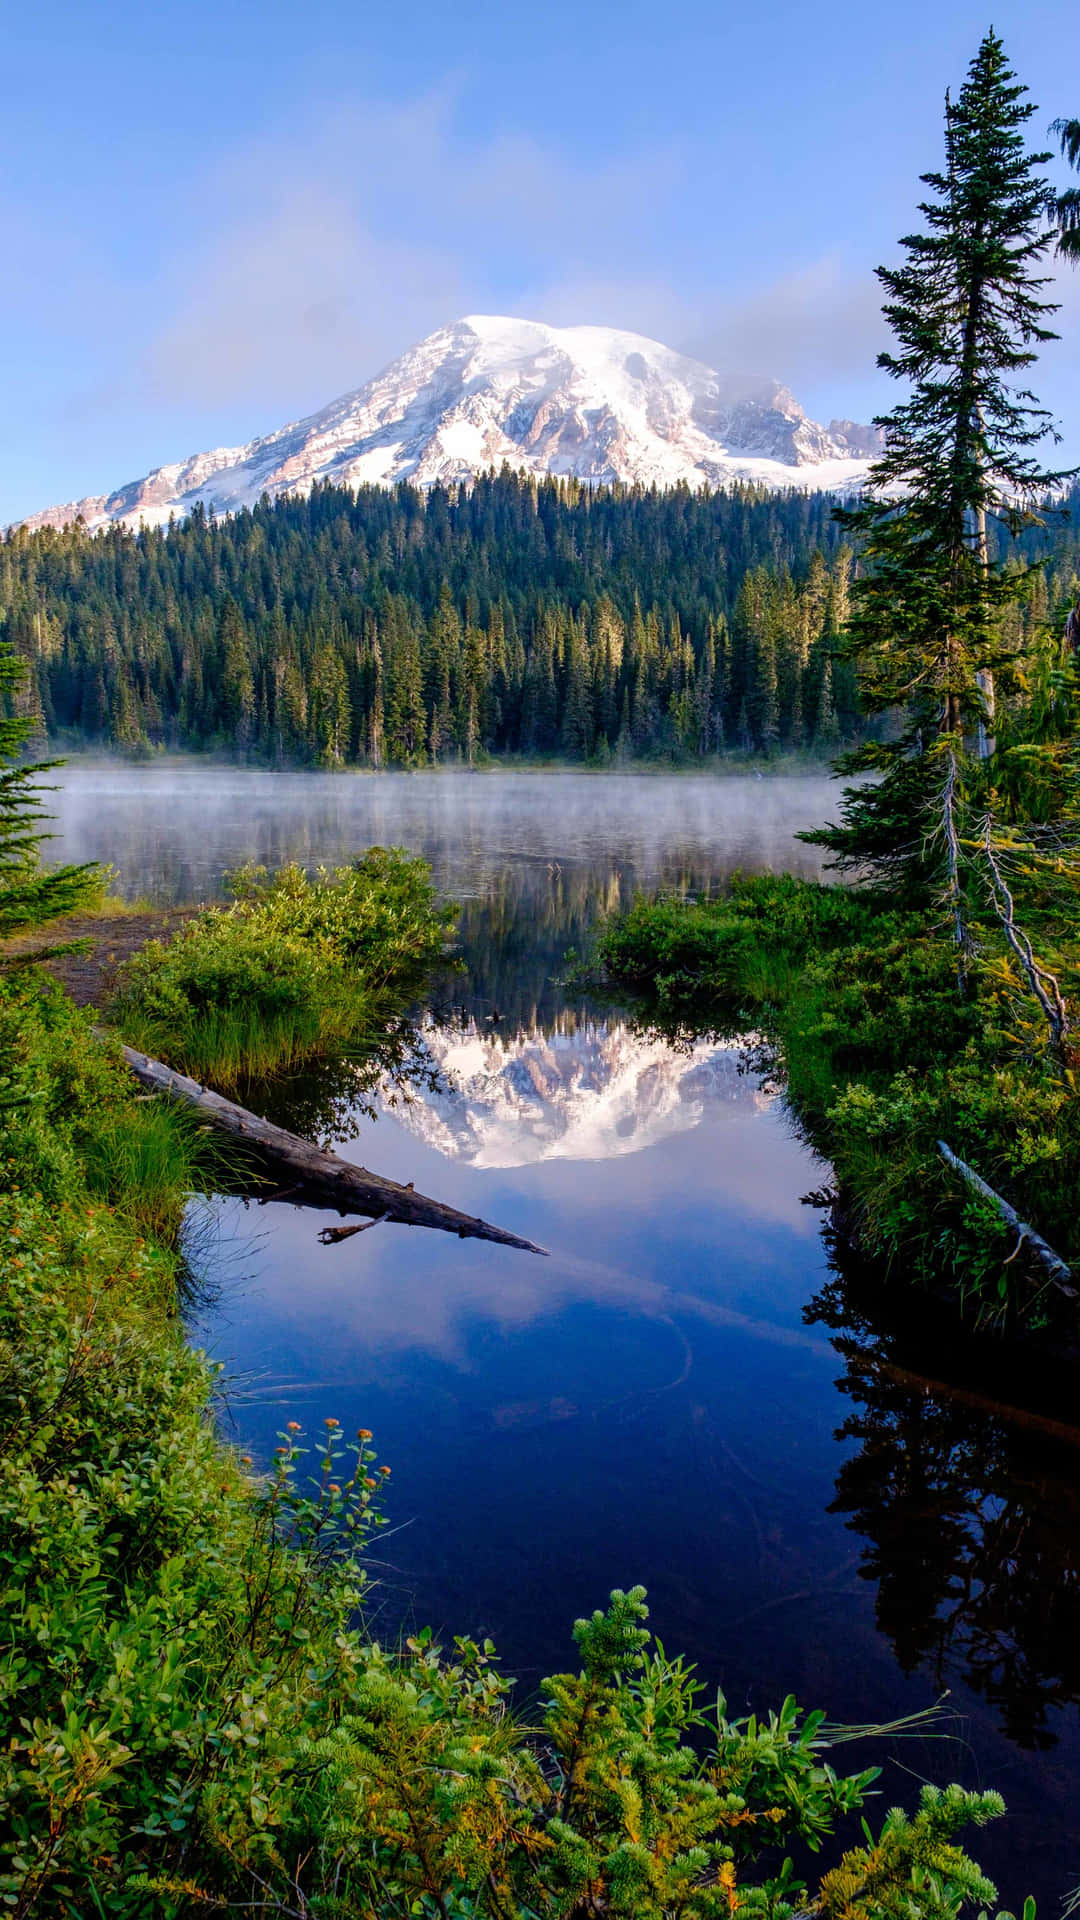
(146, 1158)
(236, 1043)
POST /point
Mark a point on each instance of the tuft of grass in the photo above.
(145, 1159)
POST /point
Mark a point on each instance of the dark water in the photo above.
(848, 1506)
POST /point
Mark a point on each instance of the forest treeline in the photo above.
(400, 627)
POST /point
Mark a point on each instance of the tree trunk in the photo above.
(296, 1169)
(952, 859)
(984, 679)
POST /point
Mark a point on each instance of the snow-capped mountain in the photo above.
(590, 1094)
(587, 401)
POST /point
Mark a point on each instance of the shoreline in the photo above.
(116, 932)
(784, 767)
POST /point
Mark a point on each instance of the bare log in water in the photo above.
(311, 1176)
(1052, 1263)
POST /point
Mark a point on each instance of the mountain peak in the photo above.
(596, 403)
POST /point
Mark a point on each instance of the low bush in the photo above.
(295, 969)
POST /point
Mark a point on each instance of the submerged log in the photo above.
(311, 1176)
(1052, 1263)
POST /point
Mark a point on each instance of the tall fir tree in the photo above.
(328, 708)
(968, 312)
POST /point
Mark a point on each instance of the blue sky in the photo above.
(216, 217)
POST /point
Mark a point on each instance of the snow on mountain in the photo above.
(587, 401)
(591, 1094)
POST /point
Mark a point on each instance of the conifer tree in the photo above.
(577, 727)
(968, 312)
(29, 895)
(471, 688)
(373, 730)
(328, 708)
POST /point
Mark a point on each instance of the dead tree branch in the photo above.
(312, 1176)
(1052, 1263)
(1044, 984)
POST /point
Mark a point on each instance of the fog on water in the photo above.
(171, 829)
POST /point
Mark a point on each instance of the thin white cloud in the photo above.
(326, 255)
(819, 322)
(304, 298)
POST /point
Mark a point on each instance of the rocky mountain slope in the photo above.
(593, 402)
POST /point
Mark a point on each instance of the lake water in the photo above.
(826, 1505)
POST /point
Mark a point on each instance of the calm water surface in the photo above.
(811, 1503)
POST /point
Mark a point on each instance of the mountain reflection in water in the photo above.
(573, 1091)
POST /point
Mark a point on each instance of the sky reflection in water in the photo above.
(650, 1403)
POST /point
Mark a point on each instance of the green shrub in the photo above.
(381, 912)
(297, 968)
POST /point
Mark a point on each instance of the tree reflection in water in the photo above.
(333, 1098)
(966, 1486)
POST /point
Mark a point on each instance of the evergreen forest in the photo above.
(395, 627)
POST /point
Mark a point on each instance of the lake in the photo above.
(820, 1495)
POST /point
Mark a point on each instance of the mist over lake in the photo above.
(170, 829)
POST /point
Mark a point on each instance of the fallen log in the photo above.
(1052, 1263)
(311, 1176)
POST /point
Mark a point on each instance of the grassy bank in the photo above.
(860, 1021)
